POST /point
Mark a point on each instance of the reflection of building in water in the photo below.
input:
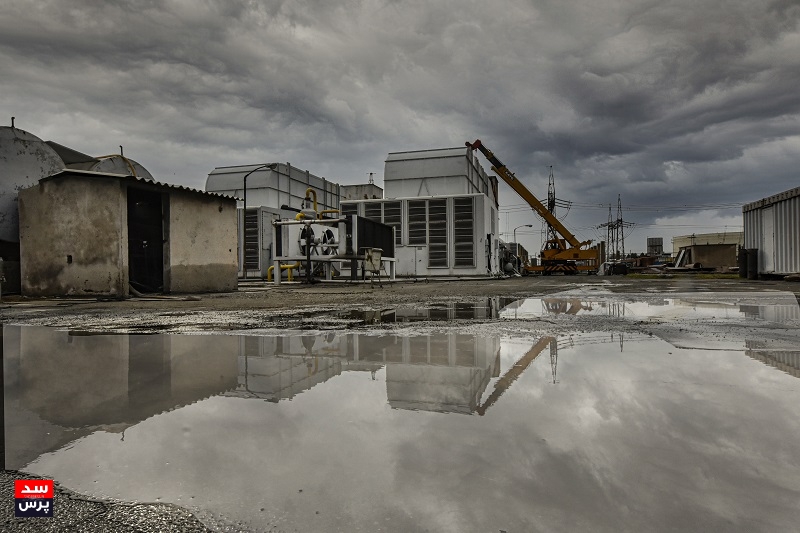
(443, 372)
(488, 308)
(565, 306)
(60, 386)
(772, 313)
(786, 360)
(278, 368)
(478, 309)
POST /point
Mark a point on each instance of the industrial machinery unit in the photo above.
(328, 245)
(560, 254)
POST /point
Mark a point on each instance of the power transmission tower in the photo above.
(615, 229)
(550, 232)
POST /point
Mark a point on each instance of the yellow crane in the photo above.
(563, 254)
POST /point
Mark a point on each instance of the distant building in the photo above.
(655, 246)
(712, 250)
(772, 227)
(444, 209)
(85, 232)
(367, 191)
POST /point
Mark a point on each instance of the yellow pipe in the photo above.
(271, 269)
(312, 191)
(300, 216)
(326, 211)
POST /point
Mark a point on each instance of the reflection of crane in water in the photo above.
(507, 379)
(502, 384)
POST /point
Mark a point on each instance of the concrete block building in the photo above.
(712, 250)
(84, 232)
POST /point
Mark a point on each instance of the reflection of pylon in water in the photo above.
(554, 359)
(621, 340)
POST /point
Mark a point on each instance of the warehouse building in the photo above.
(772, 232)
(444, 209)
(84, 232)
(710, 250)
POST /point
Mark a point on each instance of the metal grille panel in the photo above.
(437, 233)
(417, 229)
(464, 229)
(392, 216)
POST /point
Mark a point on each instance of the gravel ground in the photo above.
(261, 305)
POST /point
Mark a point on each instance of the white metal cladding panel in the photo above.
(787, 235)
(752, 228)
(437, 172)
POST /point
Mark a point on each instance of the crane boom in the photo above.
(501, 170)
(557, 256)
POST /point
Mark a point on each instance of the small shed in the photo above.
(84, 232)
(772, 226)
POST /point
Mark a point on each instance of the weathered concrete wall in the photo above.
(73, 238)
(714, 255)
(203, 243)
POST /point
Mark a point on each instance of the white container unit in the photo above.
(446, 171)
(772, 225)
(452, 235)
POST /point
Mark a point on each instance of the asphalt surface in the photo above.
(76, 513)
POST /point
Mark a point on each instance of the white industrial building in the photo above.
(772, 231)
(444, 209)
(271, 191)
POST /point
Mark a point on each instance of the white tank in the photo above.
(117, 164)
(24, 160)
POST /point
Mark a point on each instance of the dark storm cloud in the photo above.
(660, 102)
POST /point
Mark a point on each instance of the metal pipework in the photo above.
(271, 269)
(312, 191)
(326, 211)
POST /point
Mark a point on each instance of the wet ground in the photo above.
(628, 406)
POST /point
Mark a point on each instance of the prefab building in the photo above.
(445, 171)
(84, 232)
(451, 235)
(268, 189)
(772, 227)
(443, 207)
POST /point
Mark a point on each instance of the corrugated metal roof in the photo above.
(770, 200)
(125, 177)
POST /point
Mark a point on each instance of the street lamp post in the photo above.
(515, 234)
(270, 166)
(516, 244)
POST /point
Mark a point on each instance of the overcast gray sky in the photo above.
(679, 106)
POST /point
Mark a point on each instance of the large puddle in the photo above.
(379, 430)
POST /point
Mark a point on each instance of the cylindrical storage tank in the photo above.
(24, 160)
(117, 164)
(741, 261)
(752, 263)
